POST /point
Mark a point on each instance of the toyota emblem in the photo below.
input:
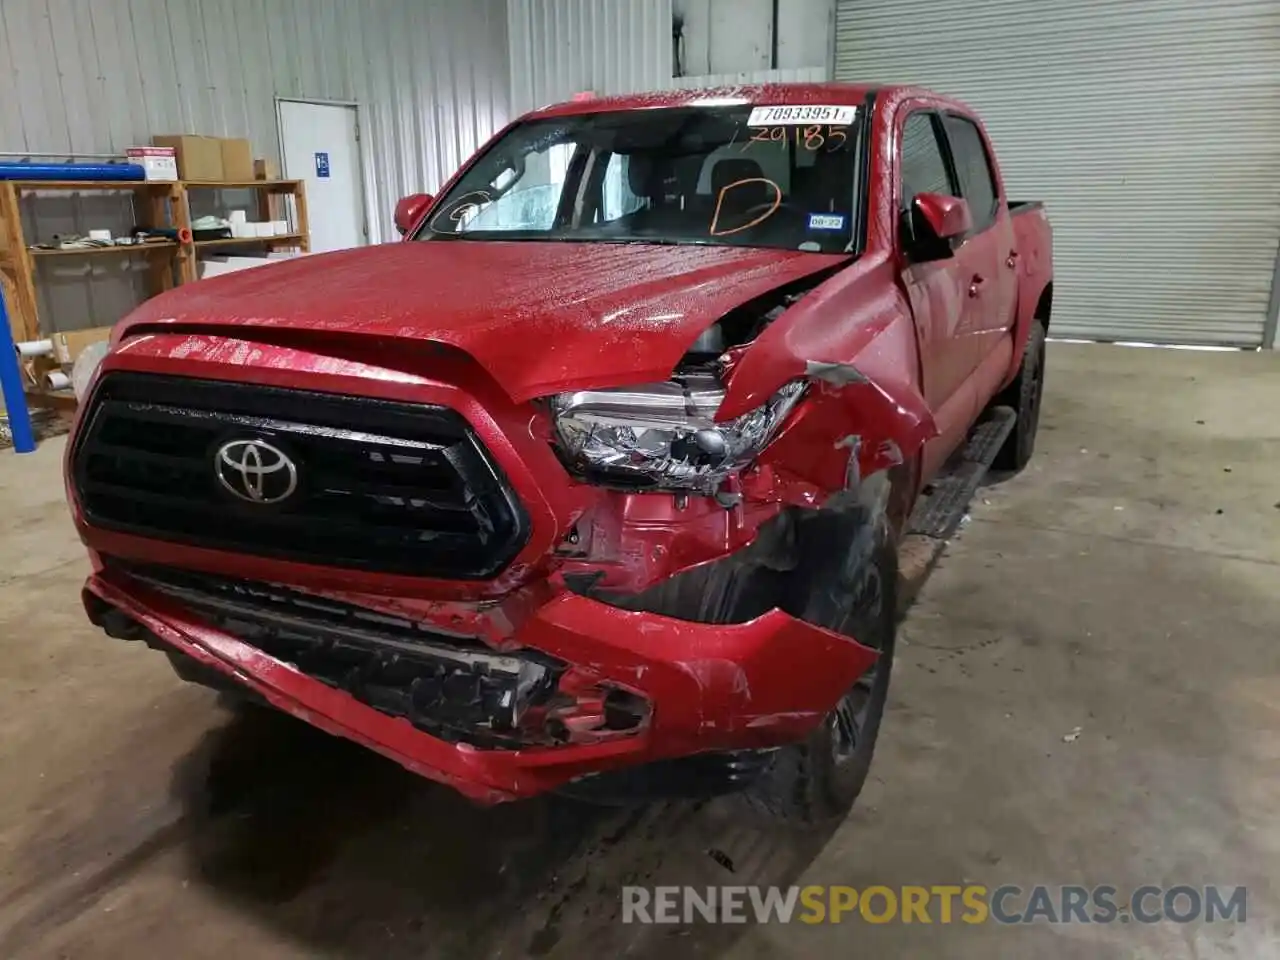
(255, 471)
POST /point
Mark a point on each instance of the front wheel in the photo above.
(818, 779)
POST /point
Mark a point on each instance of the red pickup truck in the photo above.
(594, 482)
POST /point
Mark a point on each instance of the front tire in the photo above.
(818, 779)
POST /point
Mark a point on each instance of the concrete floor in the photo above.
(1128, 584)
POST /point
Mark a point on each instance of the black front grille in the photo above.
(381, 486)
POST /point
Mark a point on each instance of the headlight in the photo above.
(664, 435)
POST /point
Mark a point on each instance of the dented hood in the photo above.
(538, 316)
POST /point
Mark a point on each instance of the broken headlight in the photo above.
(664, 435)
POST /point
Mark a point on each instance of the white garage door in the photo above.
(1150, 127)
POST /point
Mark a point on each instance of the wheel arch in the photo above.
(1044, 306)
(1031, 307)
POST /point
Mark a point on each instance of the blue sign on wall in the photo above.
(322, 165)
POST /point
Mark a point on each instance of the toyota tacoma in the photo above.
(595, 481)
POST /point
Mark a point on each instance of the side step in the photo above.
(940, 509)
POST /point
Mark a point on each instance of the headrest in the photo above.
(733, 170)
(640, 174)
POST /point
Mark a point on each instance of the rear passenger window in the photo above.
(923, 169)
(977, 183)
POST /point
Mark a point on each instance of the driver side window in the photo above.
(923, 168)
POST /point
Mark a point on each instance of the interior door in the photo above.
(318, 144)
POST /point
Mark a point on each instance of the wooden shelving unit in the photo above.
(272, 200)
(156, 204)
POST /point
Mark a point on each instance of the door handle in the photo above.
(1012, 260)
(975, 285)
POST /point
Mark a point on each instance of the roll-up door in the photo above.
(1151, 129)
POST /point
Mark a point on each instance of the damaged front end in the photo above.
(747, 429)
(585, 689)
(655, 565)
(450, 686)
(765, 366)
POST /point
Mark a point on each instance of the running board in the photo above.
(945, 500)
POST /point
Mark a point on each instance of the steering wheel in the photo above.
(770, 208)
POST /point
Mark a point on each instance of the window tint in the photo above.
(977, 185)
(923, 170)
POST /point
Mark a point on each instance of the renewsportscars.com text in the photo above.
(940, 903)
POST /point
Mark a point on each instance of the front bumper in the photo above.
(709, 687)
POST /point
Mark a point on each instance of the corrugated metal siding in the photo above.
(797, 75)
(1150, 127)
(430, 77)
(562, 47)
(727, 36)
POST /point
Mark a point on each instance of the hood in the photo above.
(539, 316)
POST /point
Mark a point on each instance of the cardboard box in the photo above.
(159, 163)
(265, 170)
(199, 158)
(68, 346)
(237, 160)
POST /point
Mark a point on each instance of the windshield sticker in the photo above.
(757, 213)
(826, 221)
(801, 114)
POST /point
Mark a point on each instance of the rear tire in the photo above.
(818, 779)
(1024, 395)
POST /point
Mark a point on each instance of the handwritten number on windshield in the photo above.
(768, 134)
(813, 138)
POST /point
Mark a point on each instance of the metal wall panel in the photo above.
(1150, 127)
(430, 77)
(728, 36)
(798, 75)
(562, 47)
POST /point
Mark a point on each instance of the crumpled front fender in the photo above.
(867, 355)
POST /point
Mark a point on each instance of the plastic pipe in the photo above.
(72, 171)
(15, 399)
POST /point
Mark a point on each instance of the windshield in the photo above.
(762, 177)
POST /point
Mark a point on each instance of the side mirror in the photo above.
(409, 210)
(935, 225)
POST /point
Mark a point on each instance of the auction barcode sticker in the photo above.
(803, 113)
